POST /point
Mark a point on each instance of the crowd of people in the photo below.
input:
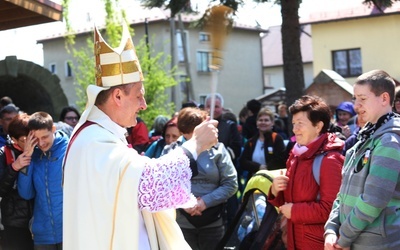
(101, 180)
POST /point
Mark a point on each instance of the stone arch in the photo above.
(32, 87)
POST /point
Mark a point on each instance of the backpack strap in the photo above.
(273, 137)
(9, 155)
(316, 169)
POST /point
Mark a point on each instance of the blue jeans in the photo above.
(203, 238)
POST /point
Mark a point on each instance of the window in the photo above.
(181, 54)
(68, 69)
(203, 61)
(53, 68)
(347, 63)
(204, 37)
(202, 99)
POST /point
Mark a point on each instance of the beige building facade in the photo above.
(356, 40)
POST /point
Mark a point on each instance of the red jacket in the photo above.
(308, 215)
(138, 136)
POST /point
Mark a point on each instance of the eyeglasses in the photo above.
(396, 100)
(70, 118)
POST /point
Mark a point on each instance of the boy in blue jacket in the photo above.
(43, 180)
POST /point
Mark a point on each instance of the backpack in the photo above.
(256, 224)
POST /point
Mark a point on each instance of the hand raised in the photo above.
(30, 144)
(205, 135)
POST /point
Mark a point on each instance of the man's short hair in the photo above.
(8, 109)
(379, 82)
(254, 106)
(40, 120)
(103, 96)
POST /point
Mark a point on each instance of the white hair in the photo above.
(217, 96)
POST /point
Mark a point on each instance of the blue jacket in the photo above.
(156, 148)
(43, 182)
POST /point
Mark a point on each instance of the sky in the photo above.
(22, 42)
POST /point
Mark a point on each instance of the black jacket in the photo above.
(249, 128)
(275, 160)
(229, 135)
(15, 211)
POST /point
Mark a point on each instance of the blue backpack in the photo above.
(316, 168)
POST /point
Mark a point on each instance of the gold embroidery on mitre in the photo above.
(98, 75)
(113, 66)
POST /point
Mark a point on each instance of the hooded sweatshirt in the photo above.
(366, 212)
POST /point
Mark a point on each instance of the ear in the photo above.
(15, 141)
(116, 96)
(386, 98)
(319, 127)
(53, 129)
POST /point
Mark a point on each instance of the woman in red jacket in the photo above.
(303, 200)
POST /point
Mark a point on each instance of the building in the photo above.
(273, 60)
(29, 85)
(274, 84)
(337, 46)
(356, 39)
(239, 80)
(16, 13)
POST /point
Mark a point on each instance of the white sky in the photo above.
(22, 41)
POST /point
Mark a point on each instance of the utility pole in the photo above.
(189, 87)
(175, 90)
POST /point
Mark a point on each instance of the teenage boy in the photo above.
(43, 180)
(365, 214)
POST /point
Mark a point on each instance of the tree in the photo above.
(154, 65)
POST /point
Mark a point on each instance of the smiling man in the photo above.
(115, 198)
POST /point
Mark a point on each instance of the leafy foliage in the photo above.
(84, 71)
(157, 82)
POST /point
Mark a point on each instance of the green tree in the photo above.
(154, 65)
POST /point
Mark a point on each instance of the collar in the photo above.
(99, 117)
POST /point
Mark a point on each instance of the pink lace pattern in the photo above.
(165, 182)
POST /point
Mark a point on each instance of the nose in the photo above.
(356, 104)
(143, 104)
(294, 127)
